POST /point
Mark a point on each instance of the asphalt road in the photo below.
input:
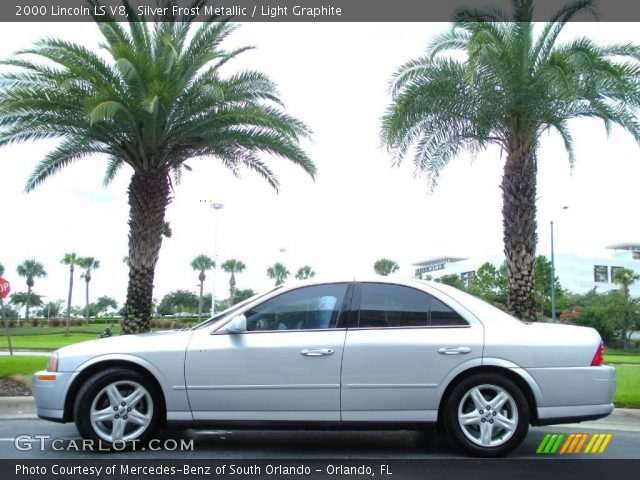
(280, 444)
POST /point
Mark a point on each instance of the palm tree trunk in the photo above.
(86, 308)
(519, 223)
(148, 200)
(26, 313)
(232, 288)
(200, 301)
(68, 316)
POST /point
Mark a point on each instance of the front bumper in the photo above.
(49, 391)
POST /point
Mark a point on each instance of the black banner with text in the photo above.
(318, 469)
(290, 10)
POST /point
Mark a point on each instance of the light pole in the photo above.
(553, 280)
(216, 207)
(553, 276)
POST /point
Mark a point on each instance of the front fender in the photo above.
(175, 399)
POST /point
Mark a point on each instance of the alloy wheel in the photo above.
(488, 415)
(121, 411)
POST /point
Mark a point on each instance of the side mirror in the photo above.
(238, 324)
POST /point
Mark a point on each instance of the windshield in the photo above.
(232, 309)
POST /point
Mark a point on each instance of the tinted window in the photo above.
(315, 307)
(384, 305)
(442, 315)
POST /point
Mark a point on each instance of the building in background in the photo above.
(576, 273)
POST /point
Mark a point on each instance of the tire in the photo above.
(483, 432)
(117, 408)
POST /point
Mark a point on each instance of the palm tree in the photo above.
(155, 98)
(233, 266)
(201, 264)
(305, 273)
(625, 277)
(492, 80)
(72, 260)
(385, 267)
(30, 269)
(278, 272)
(88, 264)
(1, 269)
(24, 299)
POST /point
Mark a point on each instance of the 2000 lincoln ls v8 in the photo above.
(376, 352)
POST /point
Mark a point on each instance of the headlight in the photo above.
(52, 364)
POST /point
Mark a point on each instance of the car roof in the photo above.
(391, 279)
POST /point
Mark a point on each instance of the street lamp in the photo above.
(553, 276)
(216, 207)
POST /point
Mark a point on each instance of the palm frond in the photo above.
(67, 152)
(156, 101)
(453, 39)
(114, 165)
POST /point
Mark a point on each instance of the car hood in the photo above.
(142, 345)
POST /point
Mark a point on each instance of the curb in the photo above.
(627, 419)
(17, 407)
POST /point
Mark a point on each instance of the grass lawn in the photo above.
(612, 355)
(44, 342)
(51, 338)
(21, 367)
(90, 329)
(628, 386)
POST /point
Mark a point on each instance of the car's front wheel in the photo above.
(487, 415)
(116, 407)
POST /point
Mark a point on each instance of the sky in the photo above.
(335, 77)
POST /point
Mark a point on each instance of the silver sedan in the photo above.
(380, 352)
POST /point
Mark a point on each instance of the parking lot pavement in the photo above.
(622, 419)
(18, 418)
(304, 444)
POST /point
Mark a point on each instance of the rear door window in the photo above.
(391, 306)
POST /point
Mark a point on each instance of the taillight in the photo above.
(598, 358)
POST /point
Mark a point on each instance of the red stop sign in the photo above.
(5, 288)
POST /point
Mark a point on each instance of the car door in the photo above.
(401, 346)
(285, 366)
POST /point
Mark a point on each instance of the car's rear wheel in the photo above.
(487, 415)
(117, 407)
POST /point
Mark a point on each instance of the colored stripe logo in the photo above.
(574, 443)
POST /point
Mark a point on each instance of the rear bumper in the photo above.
(574, 394)
(574, 414)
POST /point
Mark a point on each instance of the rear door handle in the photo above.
(453, 350)
(316, 352)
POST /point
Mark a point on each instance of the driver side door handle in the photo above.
(316, 352)
(454, 350)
